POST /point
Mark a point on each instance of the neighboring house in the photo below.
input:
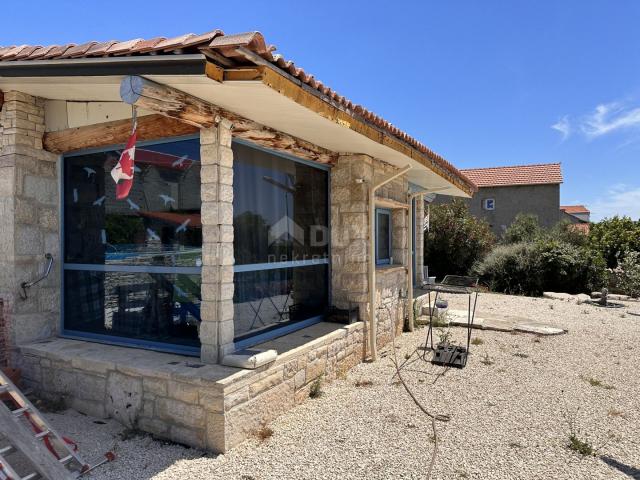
(578, 215)
(260, 198)
(504, 192)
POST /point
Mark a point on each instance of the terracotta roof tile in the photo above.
(78, 50)
(574, 209)
(100, 48)
(123, 48)
(540, 174)
(227, 45)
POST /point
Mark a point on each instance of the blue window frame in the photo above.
(131, 271)
(383, 236)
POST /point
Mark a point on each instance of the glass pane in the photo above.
(143, 306)
(382, 236)
(280, 208)
(159, 222)
(266, 299)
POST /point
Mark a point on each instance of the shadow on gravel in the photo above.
(632, 472)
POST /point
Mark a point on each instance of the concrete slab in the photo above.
(459, 318)
(539, 328)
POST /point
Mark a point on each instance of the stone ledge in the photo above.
(98, 357)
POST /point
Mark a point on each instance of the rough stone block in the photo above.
(176, 411)
(183, 392)
(124, 398)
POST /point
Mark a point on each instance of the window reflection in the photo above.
(110, 246)
(158, 224)
(280, 208)
(146, 306)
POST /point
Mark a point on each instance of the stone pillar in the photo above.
(350, 231)
(216, 157)
(29, 206)
(419, 233)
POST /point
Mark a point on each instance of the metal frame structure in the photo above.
(456, 285)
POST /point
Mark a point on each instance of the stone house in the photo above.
(196, 308)
(504, 192)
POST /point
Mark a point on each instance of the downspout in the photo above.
(373, 348)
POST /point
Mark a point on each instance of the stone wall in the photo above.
(350, 240)
(29, 210)
(204, 406)
(419, 233)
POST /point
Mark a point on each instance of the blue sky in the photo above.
(484, 83)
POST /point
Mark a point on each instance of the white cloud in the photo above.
(610, 117)
(620, 200)
(563, 126)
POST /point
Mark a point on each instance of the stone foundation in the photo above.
(177, 398)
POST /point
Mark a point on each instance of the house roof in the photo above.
(574, 209)
(234, 50)
(538, 174)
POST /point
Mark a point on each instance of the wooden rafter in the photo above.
(181, 106)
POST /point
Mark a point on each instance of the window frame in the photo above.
(114, 339)
(247, 340)
(387, 212)
(485, 203)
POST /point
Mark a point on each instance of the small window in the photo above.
(489, 204)
(383, 237)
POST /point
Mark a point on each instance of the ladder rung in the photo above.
(4, 388)
(7, 450)
(43, 433)
(31, 476)
(66, 459)
(19, 411)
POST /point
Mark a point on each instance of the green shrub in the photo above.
(524, 228)
(614, 237)
(511, 269)
(455, 240)
(565, 231)
(628, 274)
(529, 268)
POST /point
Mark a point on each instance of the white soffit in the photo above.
(251, 99)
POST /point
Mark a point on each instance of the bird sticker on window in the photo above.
(153, 235)
(183, 226)
(98, 202)
(167, 199)
(133, 205)
(90, 171)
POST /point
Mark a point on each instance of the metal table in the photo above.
(457, 285)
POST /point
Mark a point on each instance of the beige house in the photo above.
(264, 206)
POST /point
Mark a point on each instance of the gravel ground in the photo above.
(508, 407)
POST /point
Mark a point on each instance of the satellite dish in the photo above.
(429, 197)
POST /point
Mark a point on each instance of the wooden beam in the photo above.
(150, 127)
(179, 105)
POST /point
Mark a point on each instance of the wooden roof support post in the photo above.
(182, 106)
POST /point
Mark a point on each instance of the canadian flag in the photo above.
(122, 173)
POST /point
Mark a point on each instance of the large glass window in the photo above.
(132, 267)
(281, 241)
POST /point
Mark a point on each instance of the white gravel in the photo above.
(508, 418)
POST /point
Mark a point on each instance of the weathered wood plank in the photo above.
(150, 127)
(43, 461)
(173, 103)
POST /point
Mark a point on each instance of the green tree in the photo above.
(524, 228)
(613, 237)
(455, 240)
